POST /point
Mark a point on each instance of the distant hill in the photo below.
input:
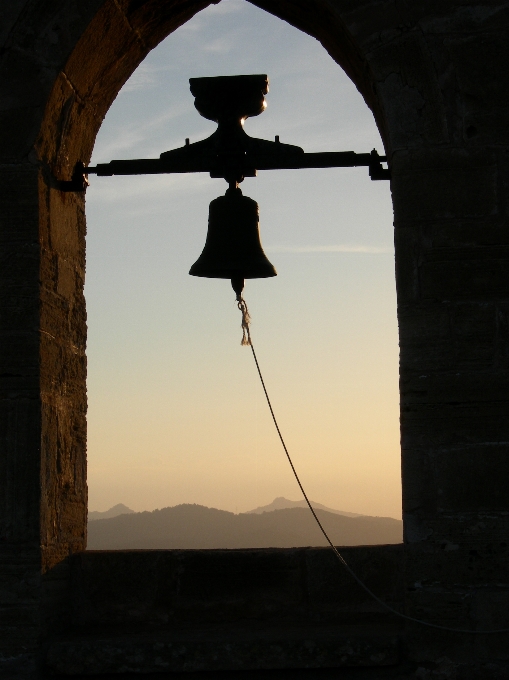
(116, 510)
(196, 526)
(281, 503)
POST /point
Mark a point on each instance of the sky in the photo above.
(176, 410)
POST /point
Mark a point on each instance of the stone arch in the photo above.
(433, 76)
(78, 64)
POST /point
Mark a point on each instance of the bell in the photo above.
(233, 249)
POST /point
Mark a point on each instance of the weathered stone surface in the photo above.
(483, 81)
(481, 487)
(148, 611)
(409, 91)
(435, 75)
(166, 587)
(450, 337)
(225, 651)
(422, 183)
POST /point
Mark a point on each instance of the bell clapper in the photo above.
(238, 286)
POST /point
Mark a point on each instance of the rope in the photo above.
(246, 320)
(246, 340)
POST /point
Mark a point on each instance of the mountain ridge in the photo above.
(279, 503)
(115, 511)
(192, 526)
(282, 503)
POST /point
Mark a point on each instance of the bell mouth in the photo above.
(214, 273)
(233, 249)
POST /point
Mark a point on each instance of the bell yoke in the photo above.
(233, 249)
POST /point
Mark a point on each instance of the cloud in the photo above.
(220, 45)
(143, 190)
(127, 137)
(340, 248)
(145, 75)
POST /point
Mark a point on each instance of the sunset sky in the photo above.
(176, 411)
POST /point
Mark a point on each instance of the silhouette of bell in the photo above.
(233, 249)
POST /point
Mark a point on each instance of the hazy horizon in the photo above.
(176, 411)
(277, 503)
(193, 526)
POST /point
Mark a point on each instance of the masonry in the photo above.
(436, 75)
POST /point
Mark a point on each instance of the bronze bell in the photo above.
(233, 249)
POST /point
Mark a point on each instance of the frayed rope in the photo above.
(246, 320)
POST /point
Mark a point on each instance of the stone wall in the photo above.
(195, 610)
(435, 75)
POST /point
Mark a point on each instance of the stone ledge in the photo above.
(218, 650)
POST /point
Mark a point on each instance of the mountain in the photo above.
(281, 503)
(116, 510)
(196, 526)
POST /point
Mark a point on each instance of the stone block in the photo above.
(19, 616)
(453, 387)
(466, 234)
(66, 136)
(335, 596)
(231, 651)
(19, 218)
(65, 227)
(408, 253)
(474, 478)
(373, 23)
(416, 528)
(19, 275)
(501, 354)
(49, 30)
(454, 336)
(435, 425)
(409, 91)
(261, 587)
(443, 607)
(18, 361)
(20, 574)
(127, 588)
(23, 83)
(16, 643)
(479, 63)
(239, 585)
(19, 129)
(434, 264)
(257, 584)
(111, 51)
(24, 88)
(153, 611)
(463, 550)
(445, 20)
(446, 184)
(19, 606)
(418, 484)
(490, 607)
(9, 13)
(19, 469)
(474, 279)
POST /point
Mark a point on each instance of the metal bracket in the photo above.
(230, 152)
(78, 181)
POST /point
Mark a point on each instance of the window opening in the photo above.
(176, 415)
